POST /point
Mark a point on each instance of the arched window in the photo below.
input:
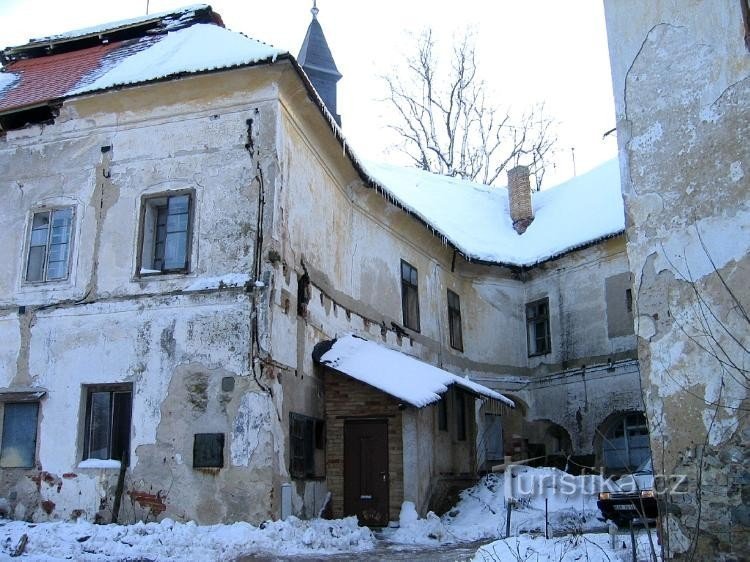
(625, 444)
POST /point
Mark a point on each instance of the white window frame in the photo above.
(28, 245)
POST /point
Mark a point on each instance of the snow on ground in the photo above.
(383, 369)
(570, 548)
(168, 541)
(479, 515)
(476, 219)
(481, 512)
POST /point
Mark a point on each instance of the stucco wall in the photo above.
(681, 73)
(173, 337)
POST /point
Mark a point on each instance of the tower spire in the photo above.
(317, 61)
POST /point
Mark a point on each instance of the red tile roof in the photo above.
(47, 78)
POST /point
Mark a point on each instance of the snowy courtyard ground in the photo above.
(574, 525)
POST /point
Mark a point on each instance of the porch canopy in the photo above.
(408, 379)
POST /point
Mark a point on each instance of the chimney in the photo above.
(519, 197)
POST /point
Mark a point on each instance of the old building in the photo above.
(682, 85)
(210, 303)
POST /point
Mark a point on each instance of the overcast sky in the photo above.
(529, 51)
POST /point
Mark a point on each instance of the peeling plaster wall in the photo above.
(681, 73)
(174, 337)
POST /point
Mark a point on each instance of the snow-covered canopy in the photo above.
(475, 218)
(396, 373)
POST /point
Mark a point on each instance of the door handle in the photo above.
(384, 476)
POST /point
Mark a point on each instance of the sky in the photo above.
(529, 51)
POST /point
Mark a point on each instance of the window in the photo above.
(49, 245)
(107, 431)
(409, 296)
(629, 300)
(307, 443)
(537, 327)
(626, 443)
(460, 416)
(493, 434)
(166, 234)
(208, 450)
(454, 321)
(442, 413)
(18, 448)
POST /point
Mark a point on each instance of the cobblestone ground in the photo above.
(386, 552)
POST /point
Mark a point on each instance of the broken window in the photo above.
(18, 446)
(166, 228)
(208, 450)
(454, 321)
(49, 245)
(537, 327)
(307, 443)
(107, 430)
(409, 296)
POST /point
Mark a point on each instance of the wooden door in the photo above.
(366, 471)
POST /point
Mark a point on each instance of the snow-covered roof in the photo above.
(30, 79)
(395, 373)
(476, 220)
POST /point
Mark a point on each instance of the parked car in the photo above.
(630, 497)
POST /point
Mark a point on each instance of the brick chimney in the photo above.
(519, 197)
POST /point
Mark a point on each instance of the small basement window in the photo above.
(166, 226)
(18, 446)
(208, 450)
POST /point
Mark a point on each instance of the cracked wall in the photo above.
(682, 92)
(183, 341)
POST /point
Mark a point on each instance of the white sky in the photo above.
(529, 51)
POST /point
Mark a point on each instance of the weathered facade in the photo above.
(217, 230)
(681, 79)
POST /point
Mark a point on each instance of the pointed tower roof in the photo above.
(315, 53)
(316, 60)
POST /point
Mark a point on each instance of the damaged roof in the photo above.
(187, 41)
(395, 373)
(471, 218)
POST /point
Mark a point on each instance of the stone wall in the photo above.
(682, 91)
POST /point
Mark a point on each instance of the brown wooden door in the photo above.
(366, 471)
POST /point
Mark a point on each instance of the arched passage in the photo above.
(622, 442)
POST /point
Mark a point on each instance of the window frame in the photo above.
(455, 328)
(50, 210)
(314, 429)
(148, 206)
(409, 287)
(112, 389)
(3, 437)
(533, 318)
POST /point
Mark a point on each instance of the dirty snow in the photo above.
(197, 48)
(481, 511)
(475, 218)
(226, 280)
(571, 548)
(99, 463)
(168, 540)
(396, 373)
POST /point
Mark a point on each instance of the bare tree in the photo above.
(449, 127)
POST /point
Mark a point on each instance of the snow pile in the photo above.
(475, 218)
(168, 540)
(571, 548)
(481, 512)
(197, 48)
(396, 373)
